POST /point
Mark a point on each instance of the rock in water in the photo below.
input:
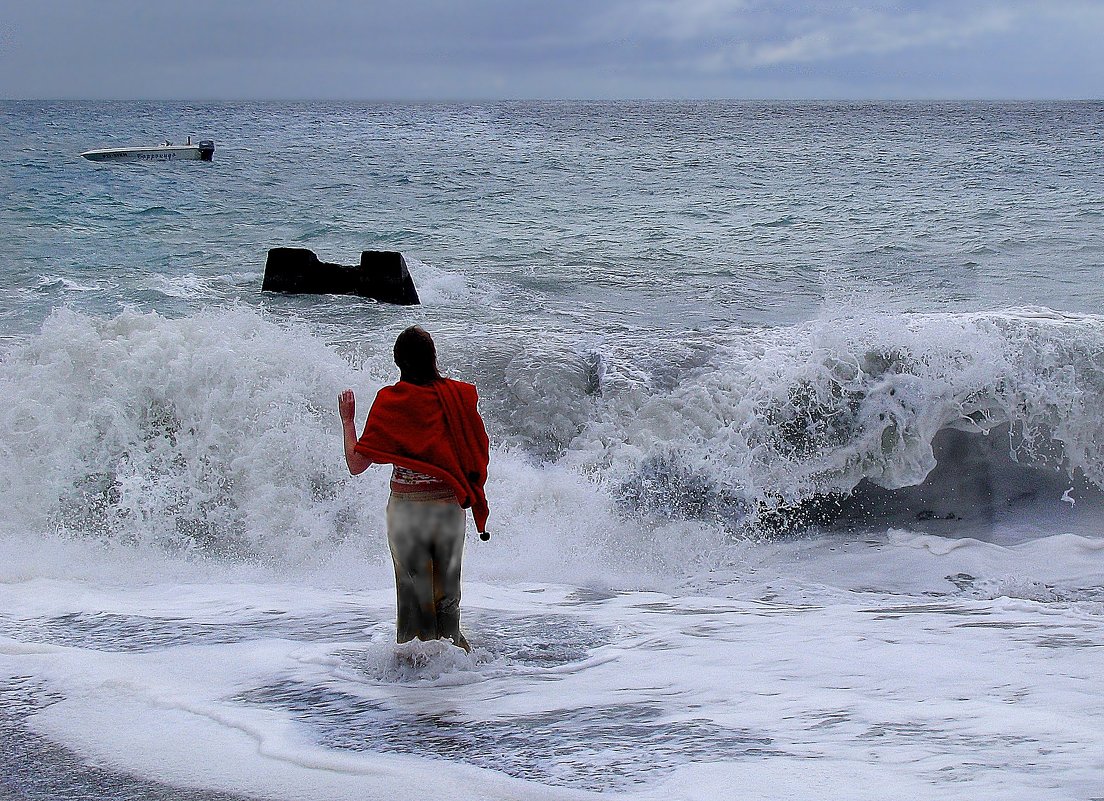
(382, 275)
(389, 276)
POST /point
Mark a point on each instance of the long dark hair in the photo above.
(416, 356)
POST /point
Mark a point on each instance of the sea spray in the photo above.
(207, 432)
(779, 418)
(216, 434)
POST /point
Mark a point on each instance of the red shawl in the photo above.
(436, 430)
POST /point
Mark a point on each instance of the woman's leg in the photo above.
(448, 554)
(409, 535)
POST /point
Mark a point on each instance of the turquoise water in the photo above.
(651, 215)
(797, 452)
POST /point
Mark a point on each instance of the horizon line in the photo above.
(482, 100)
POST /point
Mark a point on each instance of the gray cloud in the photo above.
(435, 49)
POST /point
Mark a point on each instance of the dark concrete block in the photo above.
(381, 275)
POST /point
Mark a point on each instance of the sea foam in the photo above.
(216, 434)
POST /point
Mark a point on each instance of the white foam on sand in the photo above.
(847, 668)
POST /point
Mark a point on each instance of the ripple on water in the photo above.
(502, 645)
(108, 631)
(533, 640)
(591, 748)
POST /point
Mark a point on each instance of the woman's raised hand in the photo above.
(346, 405)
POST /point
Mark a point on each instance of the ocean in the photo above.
(797, 477)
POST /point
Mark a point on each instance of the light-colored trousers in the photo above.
(427, 546)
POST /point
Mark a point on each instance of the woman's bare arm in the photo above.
(346, 407)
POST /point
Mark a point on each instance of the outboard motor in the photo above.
(206, 150)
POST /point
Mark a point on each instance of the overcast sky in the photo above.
(489, 49)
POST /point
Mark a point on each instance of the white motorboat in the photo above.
(166, 151)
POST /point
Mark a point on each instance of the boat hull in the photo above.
(198, 152)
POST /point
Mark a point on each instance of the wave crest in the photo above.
(779, 419)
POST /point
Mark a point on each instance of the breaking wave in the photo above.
(217, 433)
(779, 419)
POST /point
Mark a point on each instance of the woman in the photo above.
(428, 427)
